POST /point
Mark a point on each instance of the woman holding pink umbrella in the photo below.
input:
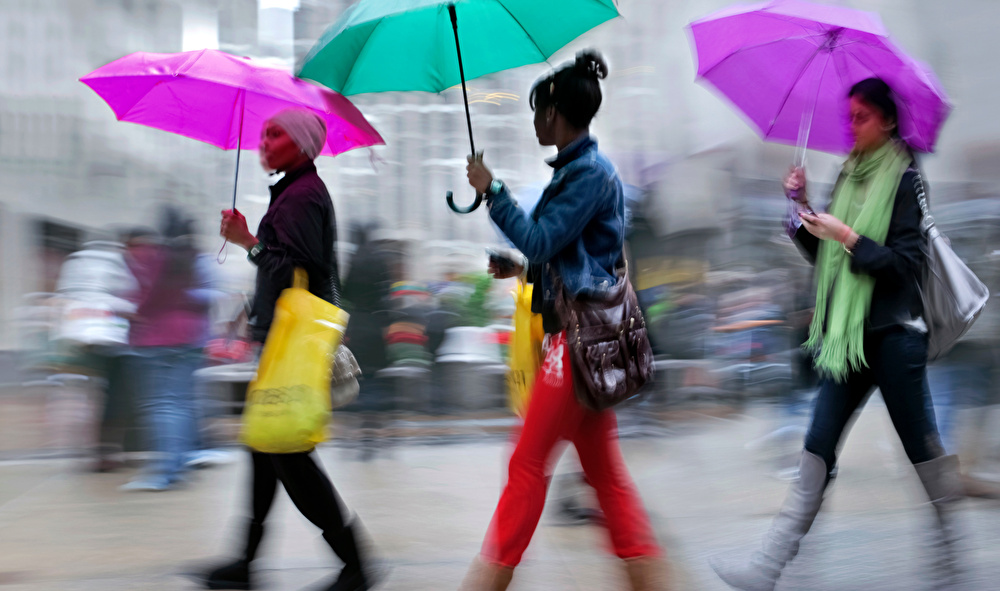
(868, 331)
(298, 231)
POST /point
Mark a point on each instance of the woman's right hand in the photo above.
(795, 184)
(480, 176)
(234, 229)
(506, 272)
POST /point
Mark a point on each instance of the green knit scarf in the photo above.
(863, 199)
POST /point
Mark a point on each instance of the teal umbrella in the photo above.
(386, 45)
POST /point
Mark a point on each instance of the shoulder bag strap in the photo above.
(927, 221)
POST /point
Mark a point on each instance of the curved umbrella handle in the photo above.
(475, 204)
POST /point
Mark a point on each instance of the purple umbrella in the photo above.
(221, 99)
(787, 65)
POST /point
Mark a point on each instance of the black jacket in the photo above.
(897, 266)
(298, 230)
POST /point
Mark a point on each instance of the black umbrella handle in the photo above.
(468, 118)
(475, 204)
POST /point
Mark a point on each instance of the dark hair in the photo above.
(875, 92)
(574, 89)
(179, 249)
(136, 234)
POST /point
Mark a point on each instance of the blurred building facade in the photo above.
(710, 186)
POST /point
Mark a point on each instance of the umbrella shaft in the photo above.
(239, 145)
(237, 178)
(461, 72)
(805, 125)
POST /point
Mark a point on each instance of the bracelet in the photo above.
(845, 235)
(850, 249)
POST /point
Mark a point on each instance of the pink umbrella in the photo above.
(787, 65)
(221, 99)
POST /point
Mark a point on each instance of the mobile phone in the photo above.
(502, 262)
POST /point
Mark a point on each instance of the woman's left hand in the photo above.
(480, 176)
(825, 227)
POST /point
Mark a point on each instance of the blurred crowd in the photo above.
(145, 319)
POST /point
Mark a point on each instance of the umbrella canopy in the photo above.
(385, 45)
(788, 65)
(221, 99)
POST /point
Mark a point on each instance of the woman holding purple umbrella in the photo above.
(868, 331)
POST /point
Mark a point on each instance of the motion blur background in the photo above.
(724, 288)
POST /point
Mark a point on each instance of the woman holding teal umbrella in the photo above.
(403, 45)
(575, 236)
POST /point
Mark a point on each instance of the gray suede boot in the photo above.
(781, 543)
(940, 478)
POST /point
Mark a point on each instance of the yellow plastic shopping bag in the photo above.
(525, 349)
(288, 402)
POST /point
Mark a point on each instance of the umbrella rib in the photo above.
(857, 41)
(364, 49)
(855, 57)
(788, 94)
(526, 33)
(126, 112)
(836, 68)
(232, 119)
(188, 64)
(792, 20)
(757, 46)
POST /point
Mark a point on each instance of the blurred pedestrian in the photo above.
(962, 386)
(298, 231)
(575, 234)
(96, 283)
(166, 337)
(963, 382)
(366, 298)
(205, 452)
(868, 329)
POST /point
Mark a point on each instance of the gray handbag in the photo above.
(952, 294)
(344, 385)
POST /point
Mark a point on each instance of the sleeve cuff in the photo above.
(492, 199)
(861, 246)
(792, 220)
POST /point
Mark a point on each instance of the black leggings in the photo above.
(310, 490)
(897, 365)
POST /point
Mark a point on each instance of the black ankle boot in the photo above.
(350, 579)
(353, 577)
(236, 575)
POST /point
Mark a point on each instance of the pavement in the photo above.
(426, 501)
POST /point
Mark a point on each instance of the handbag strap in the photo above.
(928, 220)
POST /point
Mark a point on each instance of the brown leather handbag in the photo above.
(608, 344)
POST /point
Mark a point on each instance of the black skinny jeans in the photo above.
(897, 365)
(312, 493)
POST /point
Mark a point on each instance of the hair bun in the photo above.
(592, 63)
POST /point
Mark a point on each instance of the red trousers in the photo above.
(554, 415)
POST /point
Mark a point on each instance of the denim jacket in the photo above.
(576, 231)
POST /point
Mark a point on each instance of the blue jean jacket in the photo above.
(577, 230)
